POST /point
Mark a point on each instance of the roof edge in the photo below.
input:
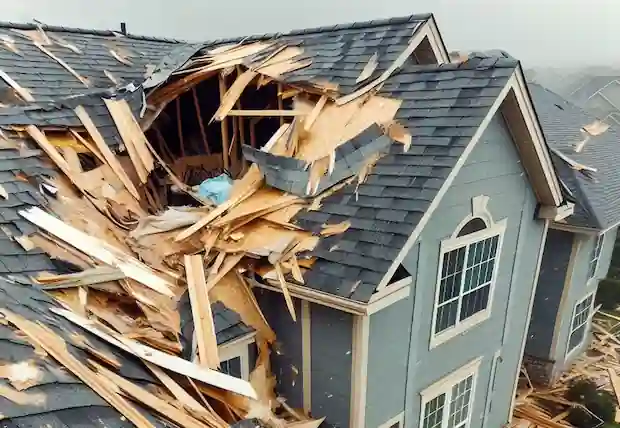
(325, 28)
(106, 33)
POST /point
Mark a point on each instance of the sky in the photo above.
(541, 33)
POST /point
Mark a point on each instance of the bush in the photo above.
(601, 403)
(608, 294)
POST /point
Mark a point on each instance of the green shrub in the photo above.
(608, 294)
(601, 403)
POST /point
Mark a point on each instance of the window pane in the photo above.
(460, 403)
(232, 367)
(446, 316)
(576, 337)
(475, 301)
(433, 412)
(472, 226)
(449, 288)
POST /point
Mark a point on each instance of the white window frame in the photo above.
(398, 419)
(595, 256)
(571, 352)
(455, 242)
(238, 348)
(444, 386)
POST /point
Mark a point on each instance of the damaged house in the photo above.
(578, 248)
(338, 226)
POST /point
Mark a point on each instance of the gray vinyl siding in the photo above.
(580, 287)
(286, 357)
(331, 338)
(553, 270)
(493, 169)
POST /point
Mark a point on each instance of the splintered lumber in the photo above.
(161, 359)
(99, 250)
(132, 136)
(230, 263)
(63, 64)
(309, 121)
(224, 123)
(161, 406)
(24, 93)
(56, 347)
(105, 151)
(369, 68)
(201, 312)
(176, 389)
(93, 276)
(233, 93)
(241, 190)
(285, 292)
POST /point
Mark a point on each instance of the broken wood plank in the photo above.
(224, 123)
(227, 266)
(106, 152)
(161, 406)
(257, 113)
(92, 276)
(233, 94)
(199, 119)
(201, 311)
(63, 64)
(132, 136)
(56, 347)
(175, 389)
(24, 93)
(309, 121)
(161, 359)
(369, 68)
(99, 250)
(285, 292)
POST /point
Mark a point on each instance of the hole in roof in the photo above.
(559, 106)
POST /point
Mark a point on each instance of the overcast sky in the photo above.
(538, 32)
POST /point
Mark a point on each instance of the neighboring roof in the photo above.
(443, 106)
(91, 57)
(65, 400)
(597, 197)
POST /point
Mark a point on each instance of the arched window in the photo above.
(473, 225)
(468, 263)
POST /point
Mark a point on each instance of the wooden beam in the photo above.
(180, 125)
(24, 93)
(201, 124)
(232, 95)
(201, 311)
(224, 124)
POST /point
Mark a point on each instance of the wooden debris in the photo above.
(233, 93)
(63, 64)
(369, 68)
(201, 312)
(24, 93)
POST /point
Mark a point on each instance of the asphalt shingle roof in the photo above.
(47, 80)
(442, 109)
(597, 197)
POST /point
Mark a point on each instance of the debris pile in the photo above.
(191, 206)
(548, 407)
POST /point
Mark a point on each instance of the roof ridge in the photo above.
(321, 29)
(75, 30)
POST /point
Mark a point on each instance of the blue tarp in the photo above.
(217, 189)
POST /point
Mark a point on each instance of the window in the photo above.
(448, 404)
(232, 367)
(596, 254)
(465, 278)
(395, 422)
(579, 323)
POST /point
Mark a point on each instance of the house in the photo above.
(578, 248)
(413, 303)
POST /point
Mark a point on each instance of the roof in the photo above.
(65, 400)
(442, 109)
(597, 197)
(90, 53)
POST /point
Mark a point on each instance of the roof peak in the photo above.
(334, 27)
(105, 33)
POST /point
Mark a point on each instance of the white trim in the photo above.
(389, 300)
(306, 355)
(391, 288)
(439, 49)
(573, 229)
(556, 213)
(479, 207)
(512, 84)
(595, 256)
(491, 387)
(570, 353)
(359, 371)
(398, 419)
(444, 386)
(238, 348)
